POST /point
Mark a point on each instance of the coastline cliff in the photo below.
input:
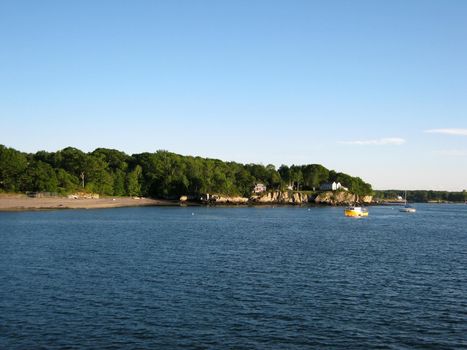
(341, 198)
(288, 197)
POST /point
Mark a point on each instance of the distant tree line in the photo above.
(161, 174)
(422, 196)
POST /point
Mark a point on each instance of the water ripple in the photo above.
(243, 278)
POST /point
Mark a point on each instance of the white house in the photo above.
(332, 187)
(259, 188)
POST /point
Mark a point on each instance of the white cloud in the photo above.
(395, 141)
(452, 153)
(458, 132)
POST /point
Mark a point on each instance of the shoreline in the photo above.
(12, 203)
(21, 202)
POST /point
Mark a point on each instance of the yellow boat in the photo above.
(356, 212)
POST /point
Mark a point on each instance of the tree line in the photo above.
(422, 196)
(161, 174)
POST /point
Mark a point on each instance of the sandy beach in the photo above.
(22, 202)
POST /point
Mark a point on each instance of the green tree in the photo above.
(274, 179)
(98, 177)
(118, 186)
(12, 165)
(72, 160)
(284, 172)
(133, 185)
(296, 176)
(66, 182)
(314, 175)
(39, 177)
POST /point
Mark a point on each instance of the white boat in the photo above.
(407, 208)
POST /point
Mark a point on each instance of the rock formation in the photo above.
(83, 195)
(288, 197)
(280, 197)
(341, 198)
(219, 199)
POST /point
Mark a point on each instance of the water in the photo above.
(243, 278)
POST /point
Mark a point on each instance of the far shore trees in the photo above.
(161, 174)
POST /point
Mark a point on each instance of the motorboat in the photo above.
(356, 212)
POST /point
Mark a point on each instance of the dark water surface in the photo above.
(243, 278)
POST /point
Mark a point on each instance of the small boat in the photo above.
(356, 212)
(407, 208)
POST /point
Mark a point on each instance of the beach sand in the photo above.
(22, 202)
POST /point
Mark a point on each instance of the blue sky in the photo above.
(373, 88)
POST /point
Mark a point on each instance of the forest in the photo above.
(161, 174)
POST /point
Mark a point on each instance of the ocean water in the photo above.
(234, 278)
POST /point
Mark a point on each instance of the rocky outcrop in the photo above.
(287, 197)
(341, 198)
(366, 199)
(218, 199)
(275, 197)
(280, 197)
(335, 198)
(83, 195)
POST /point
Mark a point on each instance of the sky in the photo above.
(376, 89)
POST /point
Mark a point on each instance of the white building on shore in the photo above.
(334, 186)
(259, 188)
